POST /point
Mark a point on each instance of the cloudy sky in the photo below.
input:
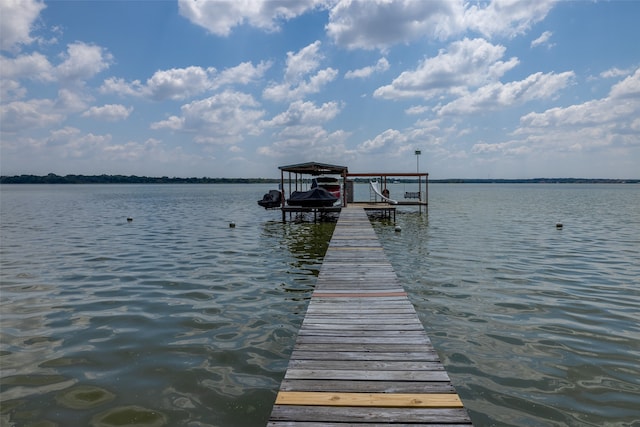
(485, 89)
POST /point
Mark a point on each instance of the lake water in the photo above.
(177, 319)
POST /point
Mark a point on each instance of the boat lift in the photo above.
(297, 175)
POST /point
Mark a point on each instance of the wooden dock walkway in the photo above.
(362, 356)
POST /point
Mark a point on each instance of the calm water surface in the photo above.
(177, 319)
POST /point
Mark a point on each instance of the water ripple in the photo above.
(188, 322)
(184, 318)
(536, 325)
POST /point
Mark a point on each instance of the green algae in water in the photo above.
(44, 423)
(10, 405)
(84, 397)
(129, 416)
(62, 361)
(33, 380)
(15, 413)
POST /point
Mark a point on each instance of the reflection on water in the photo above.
(177, 319)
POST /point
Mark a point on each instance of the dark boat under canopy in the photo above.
(316, 197)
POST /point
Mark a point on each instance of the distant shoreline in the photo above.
(133, 179)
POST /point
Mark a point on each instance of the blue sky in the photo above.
(485, 89)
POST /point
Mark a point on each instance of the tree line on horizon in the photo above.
(124, 179)
(134, 179)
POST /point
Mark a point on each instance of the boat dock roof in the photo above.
(315, 168)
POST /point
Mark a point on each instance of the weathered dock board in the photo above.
(362, 356)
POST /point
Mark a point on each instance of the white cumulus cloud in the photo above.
(506, 17)
(466, 63)
(379, 24)
(298, 78)
(16, 21)
(221, 16)
(543, 40)
(109, 112)
(362, 73)
(183, 83)
(224, 118)
(305, 112)
(499, 95)
(31, 114)
(83, 61)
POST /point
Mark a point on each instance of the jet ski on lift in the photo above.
(271, 200)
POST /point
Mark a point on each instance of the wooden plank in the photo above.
(310, 327)
(335, 311)
(382, 400)
(370, 294)
(349, 374)
(364, 386)
(327, 424)
(369, 365)
(377, 315)
(363, 347)
(418, 356)
(399, 340)
(357, 334)
(349, 414)
(372, 247)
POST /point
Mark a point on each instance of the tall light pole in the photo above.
(418, 152)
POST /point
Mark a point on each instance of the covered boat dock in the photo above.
(294, 178)
(297, 176)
